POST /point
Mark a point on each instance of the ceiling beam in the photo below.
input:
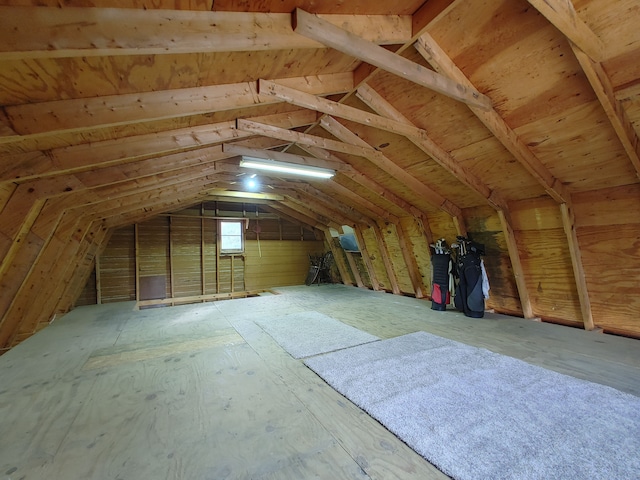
(371, 185)
(316, 28)
(381, 161)
(85, 157)
(353, 146)
(381, 106)
(219, 192)
(562, 14)
(314, 196)
(312, 102)
(48, 32)
(433, 53)
(371, 209)
(614, 109)
(80, 114)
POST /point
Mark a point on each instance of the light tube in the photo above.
(282, 167)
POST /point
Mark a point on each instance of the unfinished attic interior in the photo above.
(126, 128)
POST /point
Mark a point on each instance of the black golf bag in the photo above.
(441, 265)
(469, 296)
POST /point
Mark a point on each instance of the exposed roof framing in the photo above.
(328, 34)
(40, 32)
(515, 121)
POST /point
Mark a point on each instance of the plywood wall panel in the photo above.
(186, 255)
(549, 276)
(611, 260)
(117, 267)
(540, 213)
(590, 160)
(88, 296)
(282, 263)
(608, 230)
(153, 254)
(442, 226)
(397, 259)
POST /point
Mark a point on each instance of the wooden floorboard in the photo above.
(201, 392)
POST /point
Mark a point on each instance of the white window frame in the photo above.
(233, 248)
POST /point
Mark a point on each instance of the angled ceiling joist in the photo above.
(372, 210)
(613, 108)
(433, 53)
(374, 187)
(328, 34)
(562, 14)
(365, 151)
(82, 114)
(316, 199)
(83, 157)
(380, 160)
(44, 32)
(380, 105)
(312, 102)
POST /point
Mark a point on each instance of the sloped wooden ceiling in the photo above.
(457, 113)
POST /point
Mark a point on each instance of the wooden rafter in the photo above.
(516, 264)
(562, 14)
(360, 148)
(369, 208)
(371, 185)
(613, 108)
(342, 40)
(80, 158)
(44, 32)
(356, 216)
(82, 114)
(312, 102)
(381, 161)
(433, 53)
(327, 210)
(569, 225)
(384, 253)
(366, 259)
(380, 105)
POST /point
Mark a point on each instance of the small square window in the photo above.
(231, 236)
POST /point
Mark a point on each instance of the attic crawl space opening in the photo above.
(513, 123)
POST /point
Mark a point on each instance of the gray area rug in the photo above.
(476, 414)
(310, 333)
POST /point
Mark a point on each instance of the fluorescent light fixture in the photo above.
(282, 167)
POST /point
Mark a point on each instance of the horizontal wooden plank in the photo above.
(111, 110)
(35, 32)
(612, 206)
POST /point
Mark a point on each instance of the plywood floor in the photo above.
(201, 392)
